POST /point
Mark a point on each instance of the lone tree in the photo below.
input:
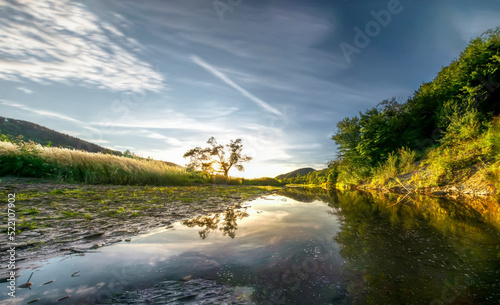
(217, 158)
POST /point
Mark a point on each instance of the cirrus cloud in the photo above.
(63, 42)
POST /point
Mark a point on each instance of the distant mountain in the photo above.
(39, 134)
(301, 171)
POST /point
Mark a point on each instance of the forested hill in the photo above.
(301, 171)
(45, 136)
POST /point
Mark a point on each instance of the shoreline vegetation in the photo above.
(443, 140)
(29, 159)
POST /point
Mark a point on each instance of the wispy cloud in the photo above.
(179, 123)
(25, 90)
(51, 114)
(63, 42)
(40, 112)
(216, 72)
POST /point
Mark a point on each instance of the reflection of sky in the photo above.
(276, 235)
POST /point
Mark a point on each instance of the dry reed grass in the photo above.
(98, 168)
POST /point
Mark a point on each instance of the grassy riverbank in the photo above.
(470, 163)
(29, 159)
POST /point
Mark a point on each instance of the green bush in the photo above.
(26, 162)
(463, 126)
(407, 159)
(262, 181)
(446, 122)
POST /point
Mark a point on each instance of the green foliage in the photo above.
(28, 159)
(219, 179)
(456, 107)
(26, 162)
(10, 138)
(319, 177)
(348, 137)
(465, 125)
(213, 159)
(32, 132)
(351, 174)
(407, 159)
(446, 161)
(397, 163)
(387, 170)
(262, 181)
(493, 175)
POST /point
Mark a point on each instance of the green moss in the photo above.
(56, 192)
(29, 211)
(69, 214)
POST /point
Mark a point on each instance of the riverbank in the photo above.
(470, 182)
(56, 219)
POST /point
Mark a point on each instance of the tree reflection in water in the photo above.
(416, 250)
(226, 222)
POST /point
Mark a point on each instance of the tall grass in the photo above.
(33, 160)
(465, 146)
(397, 163)
(386, 170)
(350, 175)
(460, 151)
(407, 158)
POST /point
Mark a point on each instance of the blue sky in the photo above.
(161, 77)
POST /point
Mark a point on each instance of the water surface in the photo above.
(299, 247)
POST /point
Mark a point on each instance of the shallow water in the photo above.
(299, 247)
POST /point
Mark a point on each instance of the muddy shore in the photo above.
(55, 219)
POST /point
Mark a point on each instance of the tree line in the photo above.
(460, 104)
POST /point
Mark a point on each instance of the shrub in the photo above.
(407, 159)
(463, 126)
(445, 161)
(386, 170)
(350, 174)
(262, 181)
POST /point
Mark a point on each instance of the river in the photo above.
(299, 246)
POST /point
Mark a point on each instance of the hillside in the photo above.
(442, 138)
(43, 135)
(301, 171)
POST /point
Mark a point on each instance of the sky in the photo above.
(159, 77)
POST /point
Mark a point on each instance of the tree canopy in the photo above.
(217, 158)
